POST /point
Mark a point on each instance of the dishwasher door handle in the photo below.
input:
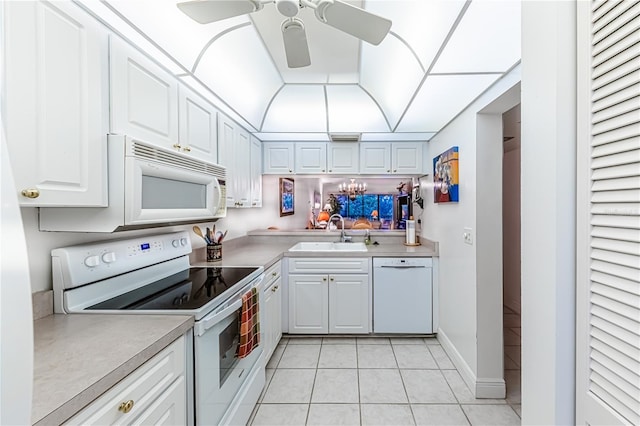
(401, 267)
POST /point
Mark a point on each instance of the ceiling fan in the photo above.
(335, 13)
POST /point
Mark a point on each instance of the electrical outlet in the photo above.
(467, 235)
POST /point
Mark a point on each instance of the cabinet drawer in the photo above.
(143, 387)
(327, 265)
(272, 274)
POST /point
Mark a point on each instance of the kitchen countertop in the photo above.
(264, 248)
(79, 357)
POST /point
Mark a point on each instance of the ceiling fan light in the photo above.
(288, 8)
(295, 43)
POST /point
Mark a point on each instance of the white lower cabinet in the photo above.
(272, 310)
(155, 393)
(335, 302)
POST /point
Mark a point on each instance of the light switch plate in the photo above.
(467, 235)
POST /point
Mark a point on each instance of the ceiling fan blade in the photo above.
(206, 11)
(295, 43)
(353, 20)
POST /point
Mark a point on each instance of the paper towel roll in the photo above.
(411, 231)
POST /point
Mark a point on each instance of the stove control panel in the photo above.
(77, 265)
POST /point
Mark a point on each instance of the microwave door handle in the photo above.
(219, 190)
(211, 320)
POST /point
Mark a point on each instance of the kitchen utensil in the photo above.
(198, 231)
(222, 237)
(217, 237)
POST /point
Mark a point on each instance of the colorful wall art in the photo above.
(445, 177)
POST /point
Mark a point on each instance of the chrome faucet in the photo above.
(344, 238)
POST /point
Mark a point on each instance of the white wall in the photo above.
(548, 211)
(511, 210)
(238, 222)
(445, 223)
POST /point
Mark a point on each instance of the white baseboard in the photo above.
(482, 388)
(465, 371)
(491, 388)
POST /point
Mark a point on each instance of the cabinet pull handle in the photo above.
(31, 193)
(290, 171)
(388, 171)
(395, 170)
(273, 274)
(187, 148)
(331, 279)
(330, 170)
(324, 279)
(177, 146)
(275, 288)
(125, 407)
(322, 170)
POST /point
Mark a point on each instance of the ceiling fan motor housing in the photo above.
(288, 8)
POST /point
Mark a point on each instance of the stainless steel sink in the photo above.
(327, 246)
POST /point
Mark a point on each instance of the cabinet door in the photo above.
(243, 168)
(311, 158)
(278, 158)
(349, 303)
(308, 304)
(55, 103)
(342, 158)
(407, 157)
(375, 158)
(169, 409)
(226, 155)
(144, 97)
(272, 306)
(256, 172)
(197, 126)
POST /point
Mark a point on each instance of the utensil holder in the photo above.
(214, 252)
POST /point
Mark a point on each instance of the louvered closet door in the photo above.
(608, 292)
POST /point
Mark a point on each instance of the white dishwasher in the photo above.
(402, 295)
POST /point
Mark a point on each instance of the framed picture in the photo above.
(287, 191)
(445, 177)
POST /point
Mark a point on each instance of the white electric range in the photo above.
(152, 275)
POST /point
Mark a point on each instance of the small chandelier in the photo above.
(353, 189)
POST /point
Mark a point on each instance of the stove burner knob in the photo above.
(92, 261)
(109, 257)
(175, 243)
(183, 242)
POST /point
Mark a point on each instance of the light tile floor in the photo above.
(373, 381)
(512, 356)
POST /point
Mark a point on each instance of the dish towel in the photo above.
(249, 323)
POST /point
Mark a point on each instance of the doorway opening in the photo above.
(511, 254)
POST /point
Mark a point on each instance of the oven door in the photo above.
(219, 373)
(158, 192)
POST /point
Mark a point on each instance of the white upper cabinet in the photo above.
(342, 158)
(55, 103)
(144, 97)
(406, 158)
(242, 178)
(197, 126)
(375, 158)
(278, 157)
(234, 152)
(311, 158)
(256, 172)
(381, 158)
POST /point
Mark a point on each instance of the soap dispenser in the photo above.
(367, 237)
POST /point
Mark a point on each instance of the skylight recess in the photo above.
(441, 98)
(352, 110)
(238, 69)
(297, 108)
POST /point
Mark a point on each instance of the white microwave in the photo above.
(148, 186)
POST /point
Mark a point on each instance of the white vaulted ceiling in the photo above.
(438, 57)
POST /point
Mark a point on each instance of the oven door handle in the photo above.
(209, 321)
